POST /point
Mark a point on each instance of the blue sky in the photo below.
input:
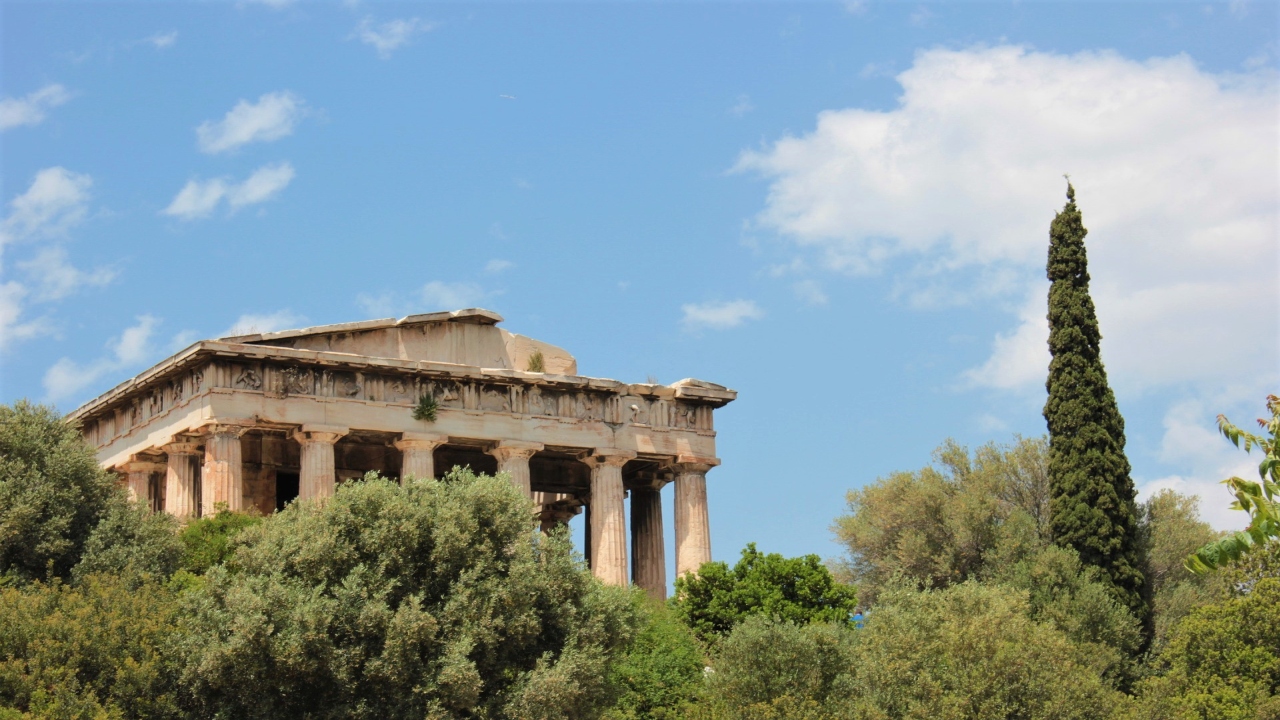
(839, 210)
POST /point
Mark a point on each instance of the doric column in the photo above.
(418, 454)
(180, 480)
(693, 531)
(513, 459)
(222, 478)
(555, 509)
(648, 556)
(139, 479)
(317, 479)
(607, 517)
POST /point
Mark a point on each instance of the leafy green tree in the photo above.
(1260, 499)
(132, 542)
(1077, 600)
(1172, 528)
(944, 523)
(207, 541)
(1222, 662)
(434, 599)
(799, 590)
(97, 649)
(52, 493)
(659, 676)
(970, 651)
(1093, 510)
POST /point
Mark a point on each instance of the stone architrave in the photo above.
(418, 454)
(693, 530)
(318, 477)
(648, 556)
(513, 459)
(180, 479)
(139, 479)
(607, 516)
(222, 478)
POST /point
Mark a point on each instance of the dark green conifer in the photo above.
(1092, 509)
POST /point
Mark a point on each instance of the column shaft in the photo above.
(180, 480)
(318, 477)
(139, 480)
(693, 528)
(223, 478)
(648, 557)
(513, 459)
(608, 518)
(418, 459)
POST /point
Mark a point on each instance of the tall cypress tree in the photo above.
(1092, 509)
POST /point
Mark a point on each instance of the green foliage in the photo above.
(1092, 509)
(1260, 499)
(1222, 662)
(426, 408)
(537, 363)
(435, 599)
(660, 674)
(1171, 529)
(52, 493)
(207, 541)
(95, 650)
(946, 522)
(1077, 600)
(799, 590)
(970, 651)
(131, 542)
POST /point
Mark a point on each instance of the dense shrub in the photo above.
(660, 675)
(207, 541)
(799, 590)
(435, 599)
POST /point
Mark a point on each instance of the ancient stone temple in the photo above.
(258, 420)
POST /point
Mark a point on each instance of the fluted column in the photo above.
(513, 459)
(180, 480)
(554, 509)
(139, 479)
(607, 517)
(318, 478)
(222, 478)
(693, 530)
(417, 459)
(648, 556)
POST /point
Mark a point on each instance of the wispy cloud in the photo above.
(163, 40)
(32, 108)
(55, 202)
(388, 36)
(810, 291)
(199, 198)
(66, 378)
(439, 295)
(742, 106)
(719, 315)
(264, 323)
(493, 267)
(272, 117)
(56, 278)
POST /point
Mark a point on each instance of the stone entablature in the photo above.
(254, 421)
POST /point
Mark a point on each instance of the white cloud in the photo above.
(57, 278)
(271, 322)
(742, 106)
(271, 118)
(493, 267)
(388, 36)
(31, 110)
(1174, 171)
(439, 295)
(163, 40)
(199, 198)
(66, 378)
(855, 7)
(56, 201)
(12, 328)
(811, 292)
(719, 315)
(377, 306)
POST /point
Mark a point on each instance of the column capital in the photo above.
(608, 457)
(512, 449)
(181, 448)
(328, 434)
(420, 441)
(237, 427)
(694, 463)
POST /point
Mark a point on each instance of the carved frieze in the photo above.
(299, 381)
(346, 384)
(495, 399)
(249, 378)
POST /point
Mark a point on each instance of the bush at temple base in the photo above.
(430, 600)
